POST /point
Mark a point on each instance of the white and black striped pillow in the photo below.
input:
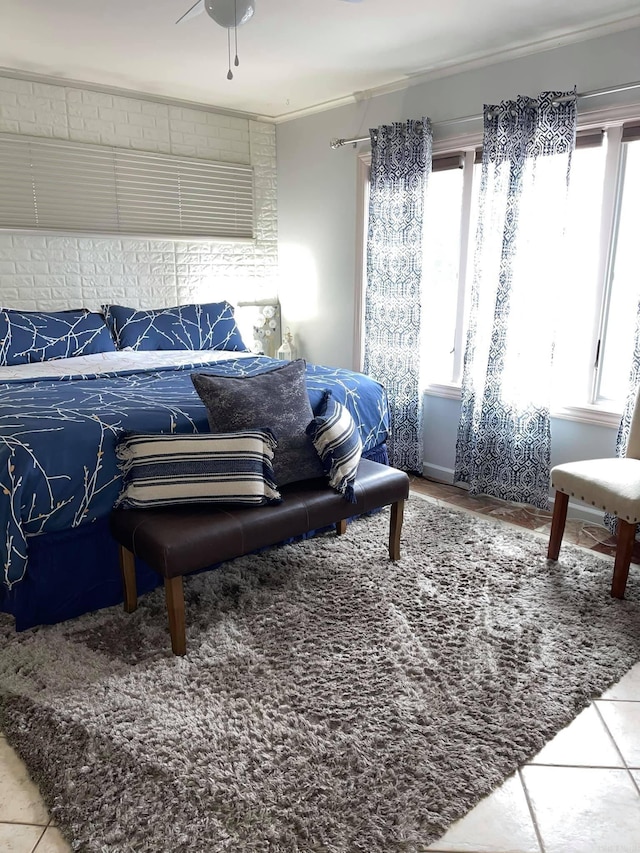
(337, 441)
(230, 468)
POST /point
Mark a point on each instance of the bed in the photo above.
(59, 424)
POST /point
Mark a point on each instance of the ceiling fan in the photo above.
(229, 14)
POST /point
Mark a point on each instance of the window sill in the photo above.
(594, 415)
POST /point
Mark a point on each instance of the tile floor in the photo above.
(581, 794)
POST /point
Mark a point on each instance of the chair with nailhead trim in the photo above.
(609, 484)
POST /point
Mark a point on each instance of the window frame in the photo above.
(611, 120)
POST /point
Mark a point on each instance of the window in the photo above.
(595, 316)
(54, 185)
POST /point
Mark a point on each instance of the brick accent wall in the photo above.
(56, 272)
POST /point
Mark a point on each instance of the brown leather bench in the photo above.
(175, 541)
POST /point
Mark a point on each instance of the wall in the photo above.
(54, 272)
(317, 205)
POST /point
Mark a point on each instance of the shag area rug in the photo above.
(330, 700)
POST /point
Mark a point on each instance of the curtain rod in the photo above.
(338, 143)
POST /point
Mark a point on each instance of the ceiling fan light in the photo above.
(230, 13)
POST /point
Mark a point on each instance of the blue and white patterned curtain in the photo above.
(503, 446)
(400, 167)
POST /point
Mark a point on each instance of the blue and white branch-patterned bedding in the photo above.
(58, 432)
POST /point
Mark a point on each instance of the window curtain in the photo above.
(400, 167)
(503, 444)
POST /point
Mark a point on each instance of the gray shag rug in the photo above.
(330, 700)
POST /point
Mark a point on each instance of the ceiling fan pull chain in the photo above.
(229, 72)
(236, 61)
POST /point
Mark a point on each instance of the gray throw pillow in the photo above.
(277, 400)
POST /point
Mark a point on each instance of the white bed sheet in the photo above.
(112, 362)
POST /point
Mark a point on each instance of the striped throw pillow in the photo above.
(225, 468)
(337, 440)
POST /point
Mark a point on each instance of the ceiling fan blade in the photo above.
(196, 9)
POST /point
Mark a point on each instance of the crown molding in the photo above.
(470, 63)
(120, 91)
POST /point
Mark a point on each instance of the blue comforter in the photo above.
(57, 437)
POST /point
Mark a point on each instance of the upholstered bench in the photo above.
(178, 540)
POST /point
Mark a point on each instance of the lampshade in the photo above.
(230, 13)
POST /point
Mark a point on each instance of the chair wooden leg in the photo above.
(174, 594)
(341, 527)
(128, 572)
(557, 525)
(395, 528)
(624, 549)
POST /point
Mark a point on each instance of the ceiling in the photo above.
(295, 55)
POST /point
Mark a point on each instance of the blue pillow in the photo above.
(184, 327)
(31, 336)
(337, 441)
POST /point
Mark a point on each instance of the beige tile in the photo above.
(20, 800)
(53, 842)
(623, 721)
(585, 742)
(19, 838)
(501, 823)
(584, 810)
(627, 688)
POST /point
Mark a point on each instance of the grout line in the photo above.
(37, 844)
(580, 766)
(608, 731)
(531, 810)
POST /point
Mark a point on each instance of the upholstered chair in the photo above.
(612, 485)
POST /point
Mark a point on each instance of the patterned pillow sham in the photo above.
(229, 468)
(337, 440)
(183, 327)
(33, 336)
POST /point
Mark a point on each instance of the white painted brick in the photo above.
(49, 92)
(82, 110)
(141, 120)
(7, 99)
(128, 131)
(89, 136)
(8, 126)
(31, 267)
(183, 127)
(129, 105)
(24, 283)
(153, 109)
(100, 99)
(36, 241)
(19, 113)
(108, 114)
(8, 84)
(7, 267)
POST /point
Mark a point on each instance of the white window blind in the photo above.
(55, 185)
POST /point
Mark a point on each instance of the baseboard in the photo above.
(438, 473)
(576, 510)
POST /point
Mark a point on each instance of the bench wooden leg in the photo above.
(397, 512)
(128, 572)
(558, 521)
(341, 527)
(174, 594)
